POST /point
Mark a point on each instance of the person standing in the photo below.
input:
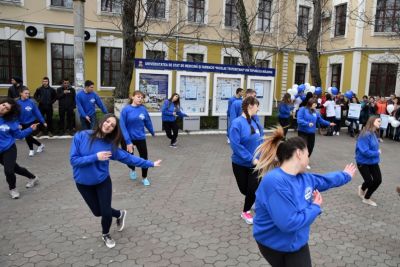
(246, 135)
(344, 107)
(284, 109)
(46, 96)
(91, 152)
(239, 94)
(353, 128)
(86, 101)
(381, 106)
(329, 106)
(170, 110)
(9, 131)
(16, 87)
(133, 119)
(66, 105)
(236, 107)
(367, 158)
(364, 114)
(28, 116)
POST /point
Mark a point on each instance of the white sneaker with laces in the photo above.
(31, 153)
(40, 148)
(369, 202)
(32, 182)
(110, 243)
(14, 193)
(337, 133)
(361, 193)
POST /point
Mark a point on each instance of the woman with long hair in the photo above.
(285, 108)
(134, 119)
(91, 151)
(9, 131)
(288, 199)
(29, 115)
(170, 110)
(367, 159)
(246, 135)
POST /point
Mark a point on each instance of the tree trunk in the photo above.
(245, 46)
(312, 44)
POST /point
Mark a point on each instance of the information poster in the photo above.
(193, 89)
(264, 90)
(384, 121)
(354, 111)
(224, 88)
(338, 112)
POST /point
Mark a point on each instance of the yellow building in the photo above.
(36, 40)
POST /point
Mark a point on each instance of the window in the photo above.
(230, 13)
(196, 11)
(156, 9)
(383, 79)
(387, 18)
(340, 20)
(262, 63)
(336, 74)
(191, 57)
(10, 60)
(231, 60)
(61, 3)
(155, 54)
(11, 1)
(264, 15)
(110, 66)
(113, 6)
(302, 24)
(62, 62)
(300, 73)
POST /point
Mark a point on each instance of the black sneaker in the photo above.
(110, 243)
(121, 220)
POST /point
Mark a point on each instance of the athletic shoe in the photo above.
(121, 220)
(31, 153)
(369, 202)
(32, 182)
(110, 243)
(228, 141)
(334, 133)
(337, 133)
(247, 217)
(173, 145)
(14, 193)
(132, 175)
(361, 193)
(40, 148)
(146, 182)
(308, 167)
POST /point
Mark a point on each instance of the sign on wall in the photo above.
(225, 86)
(264, 89)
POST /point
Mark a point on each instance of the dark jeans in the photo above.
(171, 129)
(85, 125)
(69, 114)
(47, 113)
(381, 131)
(372, 178)
(310, 141)
(142, 148)
(300, 258)
(351, 126)
(247, 182)
(285, 123)
(98, 198)
(8, 159)
(30, 140)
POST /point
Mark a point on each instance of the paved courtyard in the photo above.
(190, 215)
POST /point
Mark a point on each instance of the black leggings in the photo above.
(142, 148)
(30, 140)
(8, 159)
(247, 181)
(285, 123)
(300, 258)
(372, 178)
(98, 198)
(310, 140)
(171, 129)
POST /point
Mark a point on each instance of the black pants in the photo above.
(247, 182)
(381, 131)
(310, 141)
(372, 178)
(66, 113)
(285, 123)
(300, 258)
(142, 148)
(47, 113)
(98, 198)
(171, 129)
(30, 140)
(8, 159)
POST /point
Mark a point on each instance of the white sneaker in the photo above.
(247, 217)
(334, 133)
(32, 182)
(110, 243)
(228, 141)
(40, 148)
(337, 133)
(361, 193)
(14, 193)
(31, 153)
(308, 167)
(369, 202)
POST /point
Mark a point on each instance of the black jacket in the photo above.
(66, 100)
(45, 96)
(14, 91)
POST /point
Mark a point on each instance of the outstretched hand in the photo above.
(350, 169)
(317, 198)
(104, 155)
(157, 163)
(34, 126)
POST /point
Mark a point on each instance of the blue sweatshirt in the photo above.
(230, 102)
(242, 142)
(87, 102)
(9, 131)
(87, 169)
(167, 112)
(29, 112)
(284, 208)
(284, 110)
(235, 110)
(367, 149)
(304, 117)
(132, 122)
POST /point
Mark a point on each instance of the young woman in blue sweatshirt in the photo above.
(235, 110)
(367, 158)
(133, 119)
(30, 114)
(246, 135)
(288, 199)
(90, 154)
(238, 96)
(284, 109)
(9, 131)
(170, 110)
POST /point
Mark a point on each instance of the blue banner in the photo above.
(202, 67)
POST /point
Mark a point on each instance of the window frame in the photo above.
(376, 78)
(156, 51)
(260, 63)
(11, 59)
(337, 76)
(110, 10)
(155, 10)
(395, 9)
(196, 6)
(51, 5)
(340, 20)
(233, 14)
(230, 60)
(110, 63)
(303, 21)
(52, 59)
(264, 18)
(297, 75)
(196, 54)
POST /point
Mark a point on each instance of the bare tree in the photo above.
(245, 46)
(312, 43)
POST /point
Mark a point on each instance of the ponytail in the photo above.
(245, 105)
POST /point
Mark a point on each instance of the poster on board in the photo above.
(224, 88)
(264, 91)
(193, 91)
(155, 88)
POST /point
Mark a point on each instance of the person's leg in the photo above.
(375, 172)
(241, 174)
(284, 122)
(310, 141)
(8, 160)
(89, 195)
(168, 129)
(300, 258)
(142, 149)
(85, 125)
(62, 113)
(381, 131)
(304, 136)
(28, 139)
(70, 119)
(93, 121)
(104, 194)
(175, 130)
(252, 185)
(123, 146)
(273, 257)
(49, 119)
(366, 175)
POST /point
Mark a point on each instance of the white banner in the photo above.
(338, 110)
(384, 121)
(354, 111)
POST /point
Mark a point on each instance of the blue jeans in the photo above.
(85, 125)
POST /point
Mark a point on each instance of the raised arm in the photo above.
(129, 159)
